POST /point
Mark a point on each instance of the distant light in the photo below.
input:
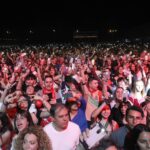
(54, 30)
(7, 32)
(77, 31)
(31, 32)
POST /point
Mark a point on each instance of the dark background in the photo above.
(59, 21)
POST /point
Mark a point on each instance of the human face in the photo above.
(133, 118)
(30, 90)
(74, 107)
(144, 141)
(139, 86)
(48, 83)
(119, 94)
(30, 142)
(23, 103)
(52, 71)
(123, 109)
(21, 122)
(93, 84)
(105, 112)
(61, 119)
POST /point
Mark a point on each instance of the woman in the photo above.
(5, 131)
(138, 138)
(138, 93)
(103, 115)
(33, 138)
(124, 105)
(22, 121)
(77, 105)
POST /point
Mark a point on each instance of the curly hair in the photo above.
(43, 140)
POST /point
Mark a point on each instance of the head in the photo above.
(60, 116)
(124, 105)
(106, 144)
(33, 138)
(30, 90)
(139, 86)
(23, 103)
(30, 80)
(119, 94)
(93, 83)
(134, 116)
(121, 83)
(138, 138)
(48, 82)
(22, 120)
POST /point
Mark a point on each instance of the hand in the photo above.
(32, 109)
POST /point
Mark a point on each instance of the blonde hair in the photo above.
(44, 142)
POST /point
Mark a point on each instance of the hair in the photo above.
(26, 114)
(6, 123)
(30, 76)
(55, 107)
(100, 114)
(43, 140)
(105, 143)
(132, 137)
(135, 108)
(134, 87)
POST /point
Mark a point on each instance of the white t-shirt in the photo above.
(64, 140)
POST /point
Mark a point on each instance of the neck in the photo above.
(57, 128)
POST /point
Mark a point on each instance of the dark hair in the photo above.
(26, 114)
(30, 76)
(6, 123)
(135, 108)
(100, 114)
(133, 135)
(105, 143)
(55, 107)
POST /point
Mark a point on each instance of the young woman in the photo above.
(138, 138)
(138, 93)
(102, 115)
(33, 138)
(22, 121)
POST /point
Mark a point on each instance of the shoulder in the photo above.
(47, 127)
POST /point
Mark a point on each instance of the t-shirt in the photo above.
(67, 139)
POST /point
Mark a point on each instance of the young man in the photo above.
(63, 133)
(134, 116)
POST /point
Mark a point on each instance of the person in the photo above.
(22, 121)
(137, 95)
(107, 144)
(138, 138)
(63, 133)
(124, 105)
(134, 116)
(103, 115)
(5, 131)
(33, 138)
(93, 96)
(77, 105)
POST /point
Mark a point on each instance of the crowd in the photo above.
(75, 96)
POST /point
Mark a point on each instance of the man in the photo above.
(93, 96)
(63, 133)
(134, 116)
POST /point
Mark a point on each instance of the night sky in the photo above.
(66, 17)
